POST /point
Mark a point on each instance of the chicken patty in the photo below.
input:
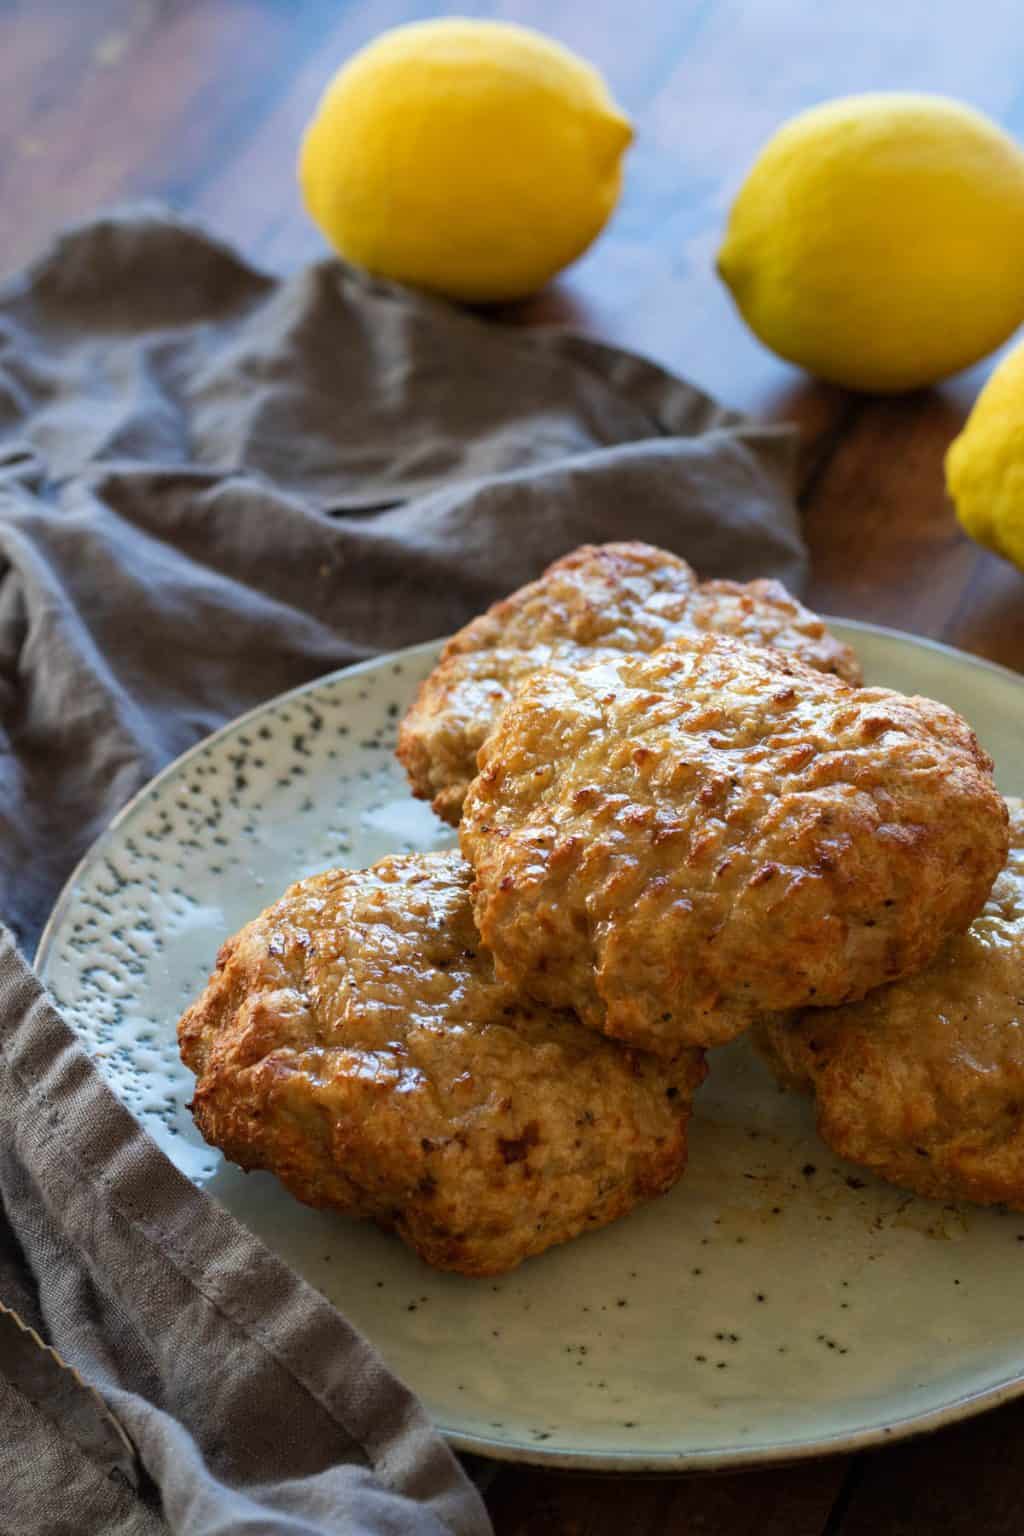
(616, 597)
(673, 844)
(355, 1041)
(923, 1081)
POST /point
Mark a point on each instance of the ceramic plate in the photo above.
(777, 1304)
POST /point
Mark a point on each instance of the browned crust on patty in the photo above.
(923, 1082)
(673, 844)
(618, 597)
(355, 1041)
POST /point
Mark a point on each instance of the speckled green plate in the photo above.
(777, 1304)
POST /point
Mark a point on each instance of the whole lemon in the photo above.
(985, 464)
(472, 158)
(878, 240)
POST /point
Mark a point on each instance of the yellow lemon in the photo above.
(985, 464)
(473, 158)
(878, 240)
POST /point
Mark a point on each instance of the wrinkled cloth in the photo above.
(216, 485)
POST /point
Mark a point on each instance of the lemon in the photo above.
(878, 240)
(472, 158)
(985, 464)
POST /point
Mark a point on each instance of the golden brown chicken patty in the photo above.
(354, 1040)
(673, 844)
(617, 597)
(923, 1081)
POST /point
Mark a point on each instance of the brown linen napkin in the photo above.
(215, 485)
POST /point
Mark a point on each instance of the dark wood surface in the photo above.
(201, 103)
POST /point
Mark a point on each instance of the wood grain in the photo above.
(201, 103)
(964, 1481)
(789, 1501)
(885, 544)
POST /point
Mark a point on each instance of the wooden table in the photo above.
(201, 103)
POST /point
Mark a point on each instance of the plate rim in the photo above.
(777, 1453)
(352, 669)
(781, 1453)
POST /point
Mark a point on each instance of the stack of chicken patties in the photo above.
(680, 817)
